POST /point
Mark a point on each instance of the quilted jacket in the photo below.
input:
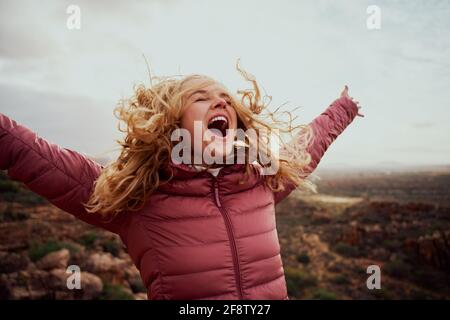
(197, 237)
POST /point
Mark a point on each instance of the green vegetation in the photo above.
(392, 244)
(137, 285)
(430, 278)
(37, 251)
(115, 292)
(11, 215)
(88, 239)
(346, 250)
(340, 280)
(323, 294)
(12, 191)
(111, 246)
(397, 268)
(24, 197)
(303, 257)
(373, 218)
(382, 294)
(297, 280)
(8, 186)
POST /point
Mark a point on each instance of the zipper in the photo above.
(237, 273)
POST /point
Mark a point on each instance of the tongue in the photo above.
(219, 126)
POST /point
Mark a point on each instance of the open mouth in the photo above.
(220, 124)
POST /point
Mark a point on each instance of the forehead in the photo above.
(204, 85)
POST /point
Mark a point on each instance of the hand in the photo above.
(344, 93)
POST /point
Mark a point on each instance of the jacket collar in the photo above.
(188, 181)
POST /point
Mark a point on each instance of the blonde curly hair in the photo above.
(153, 113)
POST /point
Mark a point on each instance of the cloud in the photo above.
(80, 123)
(303, 52)
(423, 125)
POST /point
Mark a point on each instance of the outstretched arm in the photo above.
(62, 176)
(326, 128)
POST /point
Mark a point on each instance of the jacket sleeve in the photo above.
(62, 176)
(326, 128)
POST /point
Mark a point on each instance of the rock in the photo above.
(101, 262)
(54, 260)
(134, 280)
(379, 254)
(91, 285)
(12, 262)
(107, 267)
(5, 287)
(353, 234)
(57, 279)
(140, 296)
(41, 284)
(433, 250)
(320, 217)
(13, 236)
(24, 285)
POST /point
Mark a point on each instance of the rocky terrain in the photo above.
(328, 241)
(38, 242)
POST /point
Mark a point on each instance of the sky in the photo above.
(64, 83)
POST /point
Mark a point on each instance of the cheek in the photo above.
(196, 112)
(188, 118)
(192, 114)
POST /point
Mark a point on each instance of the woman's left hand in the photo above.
(344, 93)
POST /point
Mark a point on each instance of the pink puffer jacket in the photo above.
(198, 237)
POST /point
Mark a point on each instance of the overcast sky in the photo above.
(65, 83)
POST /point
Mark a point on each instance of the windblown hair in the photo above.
(154, 112)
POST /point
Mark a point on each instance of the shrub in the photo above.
(397, 268)
(430, 278)
(111, 246)
(340, 279)
(372, 218)
(9, 186)
(24, 197)
(115, 292)
(346, 250)
(88, 239)
(297, 280)
(303, 257)
(382, 294)
(392, 244)
(323, 294)
(10, 215)
(137, 285)
(37, 251)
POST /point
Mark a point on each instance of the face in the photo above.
(211, 108)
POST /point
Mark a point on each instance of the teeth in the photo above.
(218, 118)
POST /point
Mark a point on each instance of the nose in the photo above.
(219, 103)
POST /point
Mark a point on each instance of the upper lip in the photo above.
(223, 114)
